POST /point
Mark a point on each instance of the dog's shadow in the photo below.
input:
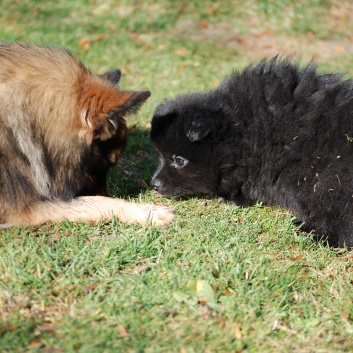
(135, 169)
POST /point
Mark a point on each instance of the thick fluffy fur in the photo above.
(61, 129)
(273, 133)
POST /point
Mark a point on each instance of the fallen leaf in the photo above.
(237, 332)
(310, 35)
(204, 293)
(51, 350)
(212, 10)
(33, 343)
(7, 327)
(298, 257)
(122, 329)
(139, 269)
(267, 32)
(344, 315)
(101, 36)
(202, 24)
(90, 288)
(339, 49)
(181, 52)
(85, 42)
(181, 67)
(46, 327)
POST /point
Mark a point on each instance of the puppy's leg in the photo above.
(96, 208)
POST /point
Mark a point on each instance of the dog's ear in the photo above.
(133, 103)
(198, 126)
(102, 109)
(113, 76)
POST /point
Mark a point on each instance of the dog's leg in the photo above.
(96, 208)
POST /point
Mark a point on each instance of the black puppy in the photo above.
(273, 133)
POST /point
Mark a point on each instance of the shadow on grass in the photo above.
(135, 169)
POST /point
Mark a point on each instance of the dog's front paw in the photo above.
(158, 215)
(155, 215)
(145, 214)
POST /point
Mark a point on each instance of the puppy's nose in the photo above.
(156, 183)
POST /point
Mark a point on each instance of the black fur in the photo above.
(273, 133)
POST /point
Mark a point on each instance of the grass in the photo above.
(221, 278)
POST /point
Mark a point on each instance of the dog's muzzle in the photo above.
(156, 183)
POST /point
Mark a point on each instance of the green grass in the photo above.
(117, 288)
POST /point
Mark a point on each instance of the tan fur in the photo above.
(60, 125)
(93, 209)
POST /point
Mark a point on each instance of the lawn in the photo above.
(221, 278)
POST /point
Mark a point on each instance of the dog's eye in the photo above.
(179, 162)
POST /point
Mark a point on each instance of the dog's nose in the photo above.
(156, 183)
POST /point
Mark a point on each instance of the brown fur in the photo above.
(61, 129)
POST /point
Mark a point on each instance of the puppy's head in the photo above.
(186, 131)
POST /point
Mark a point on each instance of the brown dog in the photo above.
(61, 129)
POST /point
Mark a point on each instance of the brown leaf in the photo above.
(181, 52)
(339, 49)
(266, 32)
(85, 42)
(344, 315)
(139, 269)
(122, 329)
(237, 332)
(298, 257)
(51, 350)
(33, 343)
(202, 24)
(7, 327)
(68, 233)
(310, 35)
(46, 327)
(101, 36)
(212, 10)
(181, 67)
(56, 236)
(90, 288)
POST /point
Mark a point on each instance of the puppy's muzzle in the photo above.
(156, 183)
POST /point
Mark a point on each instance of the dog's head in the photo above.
(105, 109)
(186, 131)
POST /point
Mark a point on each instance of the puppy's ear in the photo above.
(113, 76)
(103, 110)
(197, 126)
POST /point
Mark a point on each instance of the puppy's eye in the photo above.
(179, 162)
